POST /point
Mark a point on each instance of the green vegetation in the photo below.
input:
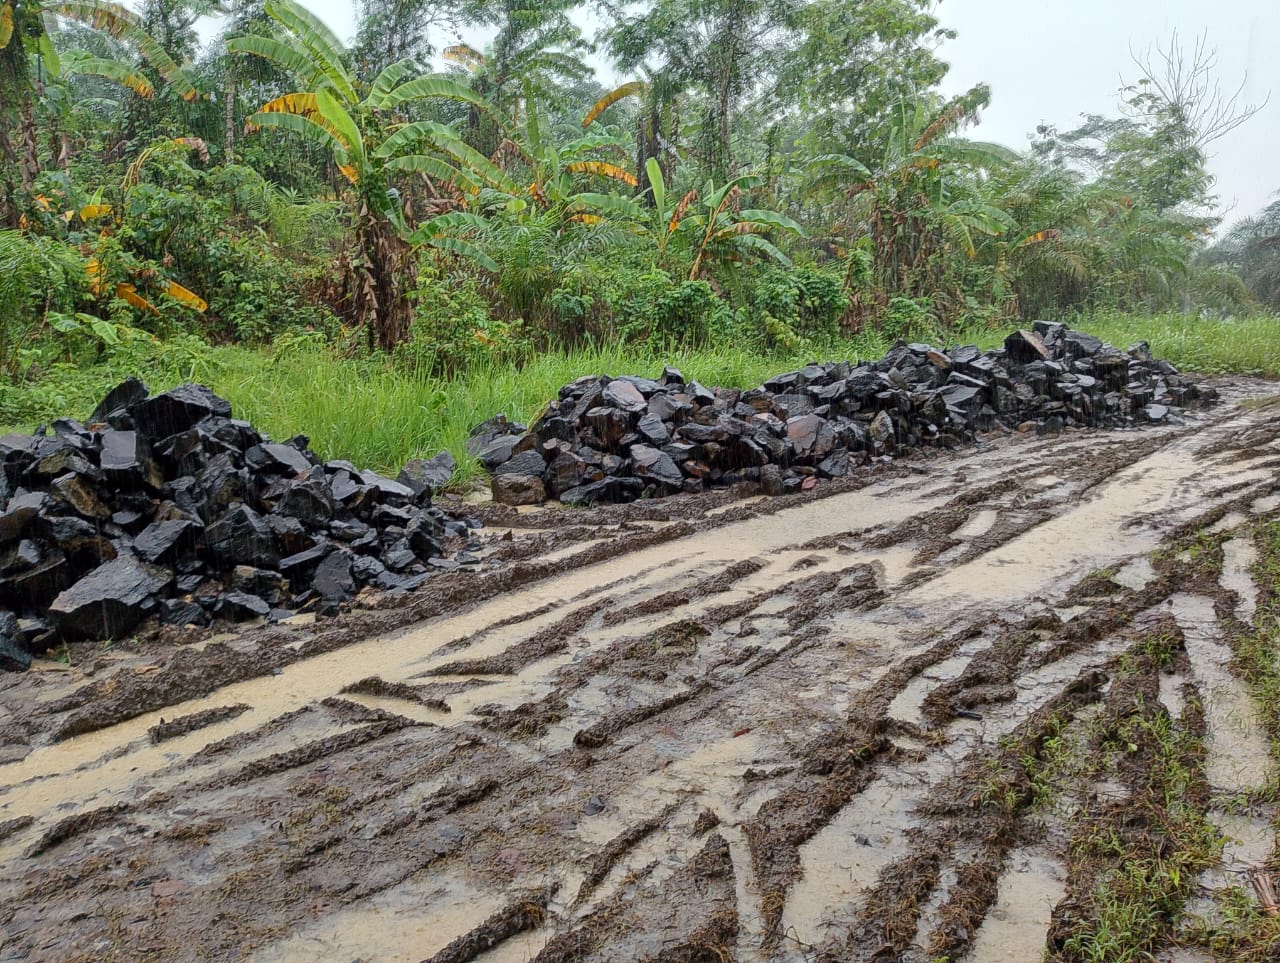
(381, 242)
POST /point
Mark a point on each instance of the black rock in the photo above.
(566, 471)
(671, 376)
(165, 541)
(608, 489)
(334, 581)
(183, 612)
(425, 535)
(266, 584)
(387, 489)
(174, 411)
(118, 399)
(300, 566)
(110, 600)
(309, 501)
(429, 476)
(13, 654)
(241, 537)
(651, 464)
(654, 430)
(528, 463)
(22, 508)
(241, 606)
(1025, 347)
(625, 395)
(126, 459)
(510, 489)
(282, 459)
(79, 494)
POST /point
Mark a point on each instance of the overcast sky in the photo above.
(1054, 61)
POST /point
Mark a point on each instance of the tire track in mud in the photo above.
(751, 731)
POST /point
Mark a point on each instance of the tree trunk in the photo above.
(30, 138)
(382, 291)
(229, 118)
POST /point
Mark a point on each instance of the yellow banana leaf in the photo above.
(1039, 237)
(465, 55)
(681, 209)
(92, 212)
(611, 98)
(6, 24)
(601, 169)
(183, 296)
(127, 292)
(93, 271)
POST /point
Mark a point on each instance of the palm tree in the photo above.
(1252, 249)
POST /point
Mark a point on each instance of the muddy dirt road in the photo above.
(705, 729)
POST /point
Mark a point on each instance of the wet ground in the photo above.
(712, 728)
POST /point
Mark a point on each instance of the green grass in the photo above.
(379, 416)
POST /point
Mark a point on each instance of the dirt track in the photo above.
(701, 729)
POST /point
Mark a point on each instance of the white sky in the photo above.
(1053, 61)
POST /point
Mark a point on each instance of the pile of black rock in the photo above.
(619, 439)
(166, 506)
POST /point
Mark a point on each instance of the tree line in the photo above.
(768, 169)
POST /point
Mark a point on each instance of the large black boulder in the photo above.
(109, 601)
(177, 410)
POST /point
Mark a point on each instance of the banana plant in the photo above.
(372, 145)
(724, 231)
(665, 218)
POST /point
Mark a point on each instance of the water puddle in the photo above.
(1171, 694)
(1162, 485)
(405, 924)
(906, 705)
(1015, 929)
(1228, 522)
(1238, 754)
(1136, 575)
(849, 853)
(979, 524)
(1238, 559)
(1268, 503)
(1250, 842)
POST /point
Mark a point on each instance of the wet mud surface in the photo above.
(715, 728)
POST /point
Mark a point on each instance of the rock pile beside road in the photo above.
(619, 439)
(167, 506)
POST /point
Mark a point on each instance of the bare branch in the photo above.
(1184, 83)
